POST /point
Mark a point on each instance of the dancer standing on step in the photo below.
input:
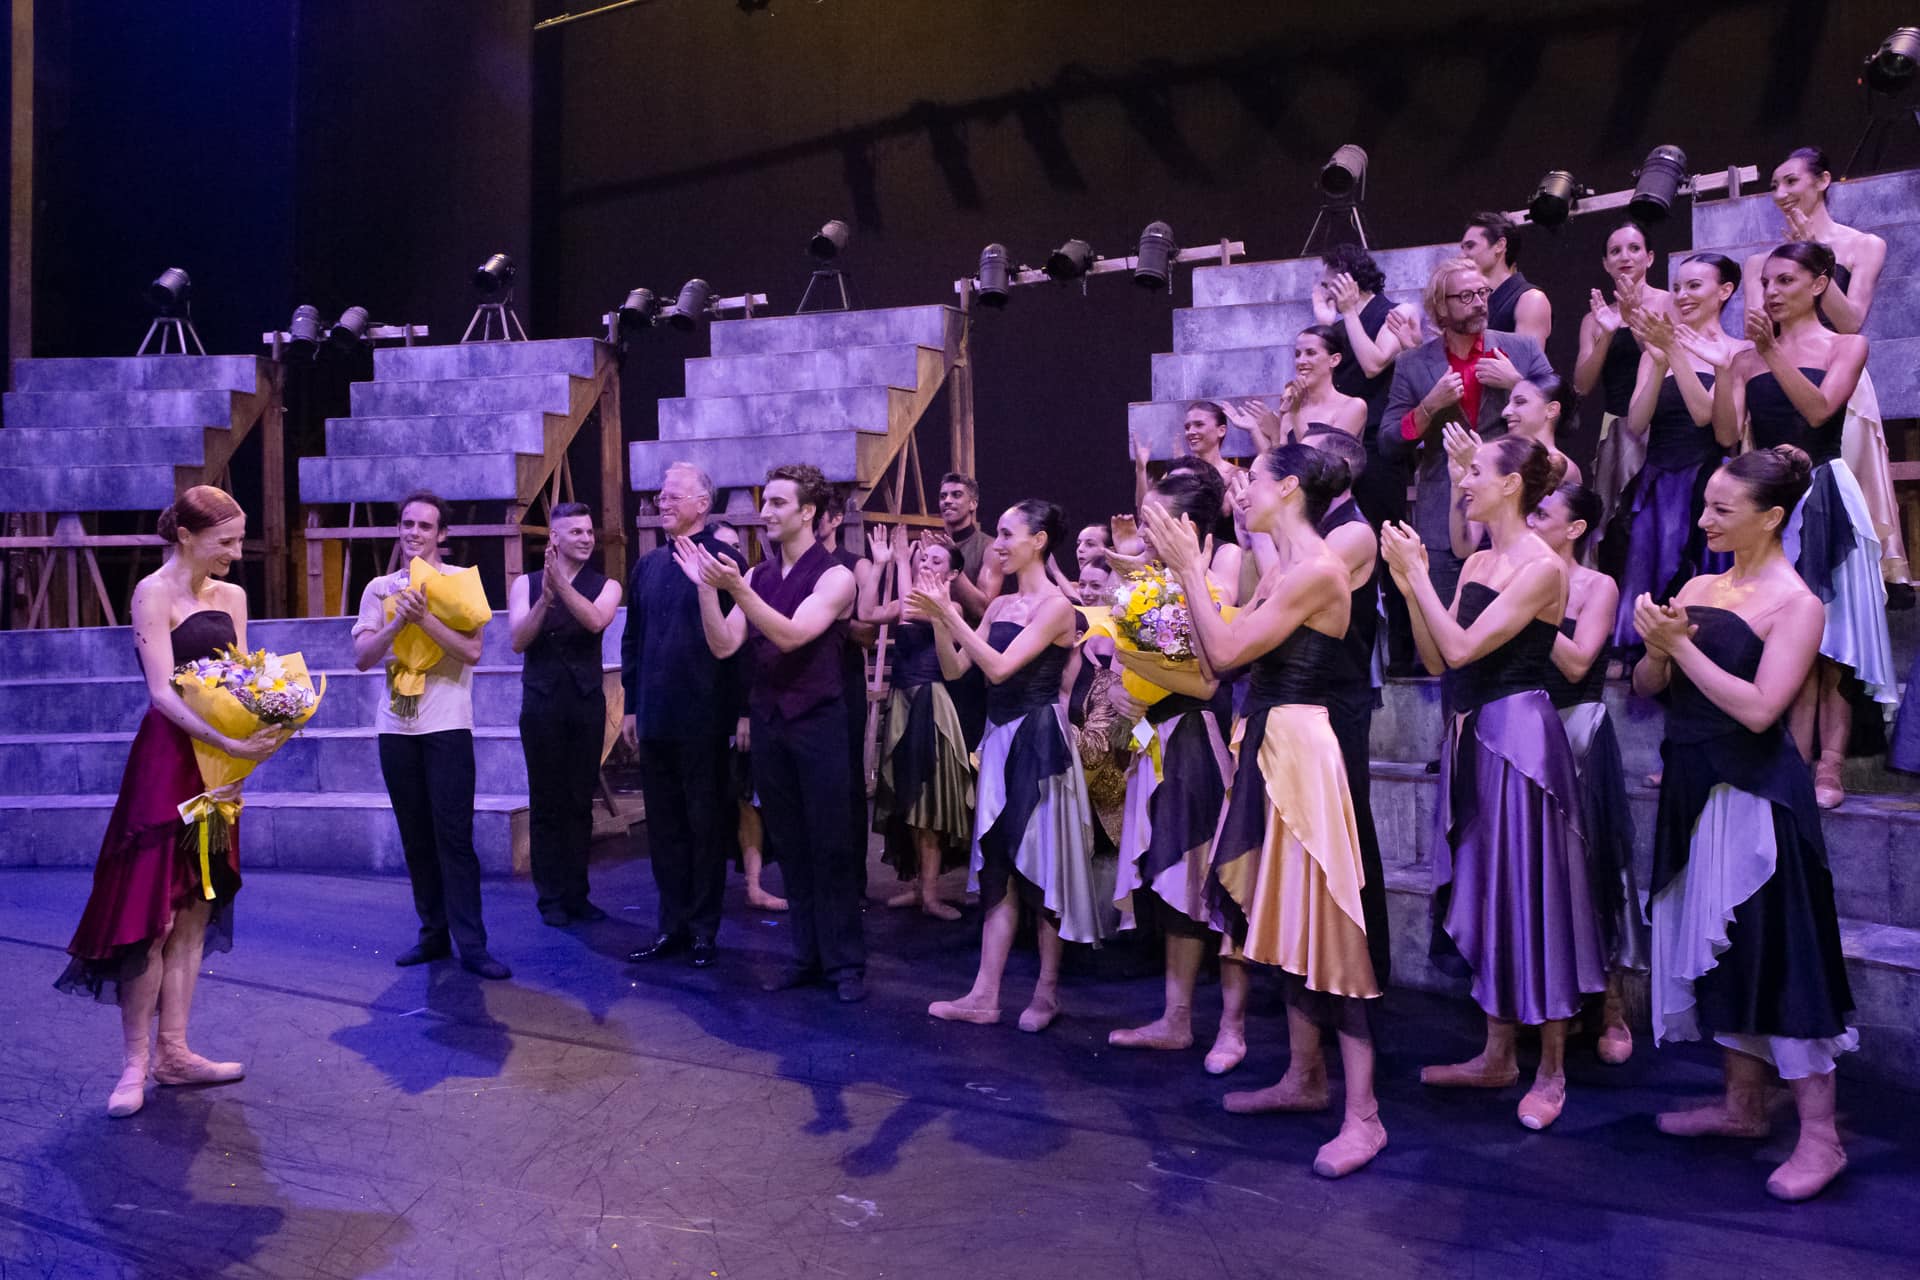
(1792, 387)
(556, 615)
(1746, 939)
(1032, 825)
(1576, 682)
(1176, 785)
(1311, 399)
(1511, 907)
(149, 918)
(923, 802)
(426, 758)
(791, 621)
(1609, 358)
(1288, 876)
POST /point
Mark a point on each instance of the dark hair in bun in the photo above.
(1322, 476)
(1815, 257)
(197, 510)
(1194, 492)
(1776, 477)
(1582, 504)
(1726, 268)
(1041, 516)
(1538, 470)
(1347, 448)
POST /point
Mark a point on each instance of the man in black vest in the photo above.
(791, 623)
(1492, 242)
(679, 713)
(556, 615)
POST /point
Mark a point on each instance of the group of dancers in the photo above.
(1230, 810)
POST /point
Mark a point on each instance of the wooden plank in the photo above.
(20, 207)
(273, 490)
(613, 472)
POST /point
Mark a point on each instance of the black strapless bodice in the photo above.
(1363, 620)
(1303, 668)
(915, 660)
(1776, 421)
(1566, 693)
(1725, 637)
(199, 634)
(1035, 685)
(1674, 440)
(1618, 371)
(1523, 662)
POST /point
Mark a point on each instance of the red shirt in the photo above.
(1467, 368)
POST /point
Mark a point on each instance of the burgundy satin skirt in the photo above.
(147, 869)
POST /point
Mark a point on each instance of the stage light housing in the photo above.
(1554, 199)
(996, 276)
(305, 331)
(690, 308)
(639, 311)
(1070, 261)
(492, 278)
(171, 293)
(1662, 175)
(1891, 67)
(1344, 174)
(350, 329)
(830, 240)
(1153, 260)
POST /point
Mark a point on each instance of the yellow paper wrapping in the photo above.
(219, 708)
(1137, 684)
(458, 600)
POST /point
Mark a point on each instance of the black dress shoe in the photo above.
(555, 916)
(483, 965)
(851, 989)
(702, 953)
(667, 944)
(586, 913)
(422, 953)
(790, 977)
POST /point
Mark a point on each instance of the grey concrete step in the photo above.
(782, 414)
(929, 326)
(1872, 202)
(1228, 372)
(97, 409)
(574, 356)
(542, 392)
(439, 433)
(732, 461)
(458, 477)
(1240, 326)
(45, 487)
(1292, 279)
(336, 831)
(53, 447)
(140, 373)
(1157, 424)
(815, 370)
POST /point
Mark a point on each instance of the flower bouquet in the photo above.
(1149, 616)
(238, 694)
(458, 600)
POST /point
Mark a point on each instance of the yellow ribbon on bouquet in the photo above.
(197, 811)
(459, 600)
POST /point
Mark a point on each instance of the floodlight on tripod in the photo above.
(493, 281)
(1342, 184)
(171, 296)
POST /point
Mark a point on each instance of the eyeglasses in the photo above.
(669, 498)
(1467, 297)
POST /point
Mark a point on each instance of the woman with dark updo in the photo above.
(150, 918)
(1746, 939)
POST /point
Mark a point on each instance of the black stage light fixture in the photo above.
(830, 240)
(350, 329)
(1554, 199)
(690, 308)
(1153, 261)
(171, 293)
(1661, 176)
(996, 276)
(492, 278)
(304, 331)
(1891, 67)
(1344, 175)
(639, 311)
(1070, 261)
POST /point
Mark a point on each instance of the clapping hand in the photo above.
(410, 605)
(1461, 443)
(1344, 292)
(1655, 331)
(931, 599)
(1607, 317)
(1760, 332)
(1259, 421)
(1325, 309)
(1799, 225)
(880, 544)
(1141, 453)
(1405, 329)
(1663, 627)
(1405, 554)
(1124, 529)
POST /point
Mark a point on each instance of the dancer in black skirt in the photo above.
(1746, 939)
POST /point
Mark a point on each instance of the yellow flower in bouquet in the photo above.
(238, 694)
(458, 600)
(1149, 618)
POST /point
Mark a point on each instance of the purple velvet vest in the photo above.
(788, 685)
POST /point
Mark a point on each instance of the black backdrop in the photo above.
(370, 152)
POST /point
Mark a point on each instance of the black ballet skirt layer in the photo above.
(1186, 802)
(146, 872)
(913, 773)
(1783, 973)
(1039, 752)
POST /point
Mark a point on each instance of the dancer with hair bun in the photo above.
(1746, 938)
(149, 918)
(1032, 826)
(1512, 910)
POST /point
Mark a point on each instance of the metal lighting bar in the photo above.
(562, 19)
(1726, 182)
(1224, 252)
(378, 332)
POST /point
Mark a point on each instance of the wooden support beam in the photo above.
(613, 471)
(20, 202)
(273, 490)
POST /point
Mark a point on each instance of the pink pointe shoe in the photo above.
(175, 1064)
(129, 1092)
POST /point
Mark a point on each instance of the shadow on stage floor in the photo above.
(594, 1118)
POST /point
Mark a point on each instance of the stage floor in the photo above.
(594, 1119)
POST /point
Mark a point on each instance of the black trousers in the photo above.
(429, 779)
(689, 816)
(856, 705)
(561, 732)
(800, 772)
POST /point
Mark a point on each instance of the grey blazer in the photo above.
(1414, 374)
